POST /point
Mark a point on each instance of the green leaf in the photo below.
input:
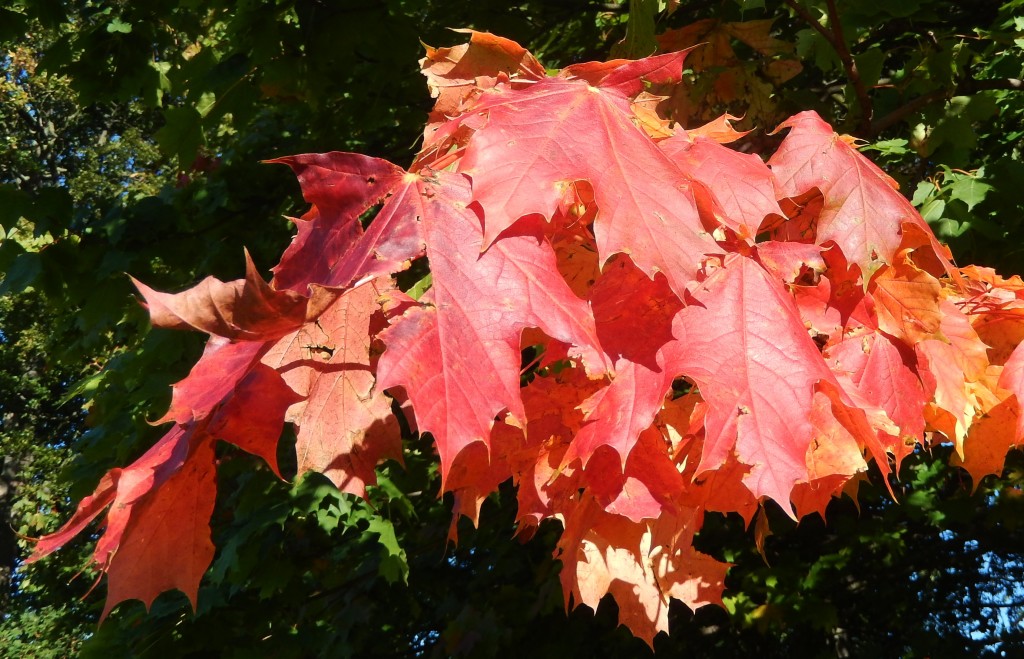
(163, 85)
(895, 147)
(869, 65)
(932, 210)
(117, 25)
(205, 103)
(639, 41)
(23, 271)
(970, 190)
(51, 211)
(12, 24)
(924, 191)
(85, 387)
(14, 205)
(421, 287)
(393, 564)
(182, 135)
(947, 229)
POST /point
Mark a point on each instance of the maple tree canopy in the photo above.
(705, 331)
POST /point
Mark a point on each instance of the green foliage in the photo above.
(932, 575)
(132, 134)
(44, 607)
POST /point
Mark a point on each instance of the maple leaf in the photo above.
(720, 130)
(650, 483)
(344, 426)
(863, 213)
(458, 359)
(633, 314)
(253, 416)
(629, 77)
(757, 368)
(619, 412)
(642, 565)
(166, 543)
(716, 34)
(724, 78)
(740, 182)
(954, 371)
(454, 75)
(562, 130)
(834, 303)
(127, 485)
(681, 422)
(833, 457)
(247, 309)
(577, 261)
(1012, 379)
(173, 478)
(331, 247)
(157, 535)
(1000, 329)
(221, 367)
(788, 261)
(988, 441)
(884, 373)
(552, 406)
(907, 301)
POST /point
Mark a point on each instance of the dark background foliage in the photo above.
(132, 140)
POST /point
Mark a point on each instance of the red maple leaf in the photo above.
(331, 247)
(749, 353)
(863, 213)
(343, 423)
(458, 359)
(538, 139)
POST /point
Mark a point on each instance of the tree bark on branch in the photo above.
(869, 128)
(834, 36)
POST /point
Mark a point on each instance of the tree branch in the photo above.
(802, 12)
(909, 108)
(835, 39)
(964, 88)
(970, 85)
(866, 107)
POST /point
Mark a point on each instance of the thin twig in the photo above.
(802, 12)
(839, 43)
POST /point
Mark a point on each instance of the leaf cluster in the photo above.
(98, 194)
